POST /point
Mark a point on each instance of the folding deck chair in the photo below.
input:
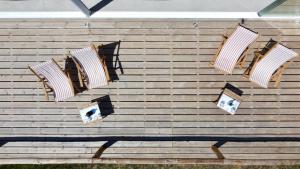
(269, 66)
(91, 67)
(233, 50)
(54, 79)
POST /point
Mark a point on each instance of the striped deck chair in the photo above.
(54, 79)
(233, 50)
(269, 66)
(91, 67)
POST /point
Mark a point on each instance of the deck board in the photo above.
(166, 90)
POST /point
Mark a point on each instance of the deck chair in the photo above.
(269, 66)
(91, 67)
(54, 79)
(233, 50)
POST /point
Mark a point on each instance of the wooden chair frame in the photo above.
(242, 59)
(258, 56)
(46, 87)
(80, 71)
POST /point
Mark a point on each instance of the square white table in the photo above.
(94, 115)
(229, 101)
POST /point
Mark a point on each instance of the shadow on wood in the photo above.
(100, 151)
(149, 138)
(105, 105)
(73, 73)
(110, 140)
(110, 52)
(268, 46)
(216, 150)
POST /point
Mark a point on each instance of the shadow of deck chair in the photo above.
(92, 69)
(269, 66)
(233, 50)
(54, 79)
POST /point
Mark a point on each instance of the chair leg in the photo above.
(255, 60)
(212, 62)
(102, 60)
(278, 75)
(45, 91)
(246, 74)
(80, 78)
(106, 70)
(218, 51)
(43, 82)
(74, 86)
(79, 73)
(242, 59)
(277, 82)
(280, 72)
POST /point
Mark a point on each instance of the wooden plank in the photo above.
(156, 98)
(153, 85)
(217, 117)
(140, 124)
(122, 131)
(131, 111)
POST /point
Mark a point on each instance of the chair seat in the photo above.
(272, 61)
(233, 48)
(92, 66)
(56, 79)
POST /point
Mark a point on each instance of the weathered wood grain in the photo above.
(167, 89)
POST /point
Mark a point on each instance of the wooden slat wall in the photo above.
(167, 90)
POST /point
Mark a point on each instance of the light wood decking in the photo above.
(166, 90)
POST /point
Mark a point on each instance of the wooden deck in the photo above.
(163, 109)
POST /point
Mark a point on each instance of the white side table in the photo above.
(229, 101)
(90, 113)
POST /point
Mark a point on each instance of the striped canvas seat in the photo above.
(233, 48)
(92, 66)
(57, 79)
(273, 60)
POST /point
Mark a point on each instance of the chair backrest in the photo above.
(92, 66)
(233, 48)
(56, 79)
(278, 55)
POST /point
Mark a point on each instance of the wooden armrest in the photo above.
(257, 54)
(225, 37)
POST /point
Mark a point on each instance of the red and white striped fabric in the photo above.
(266, 67)
(233, 48)
(57, 79)
(90, 62)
